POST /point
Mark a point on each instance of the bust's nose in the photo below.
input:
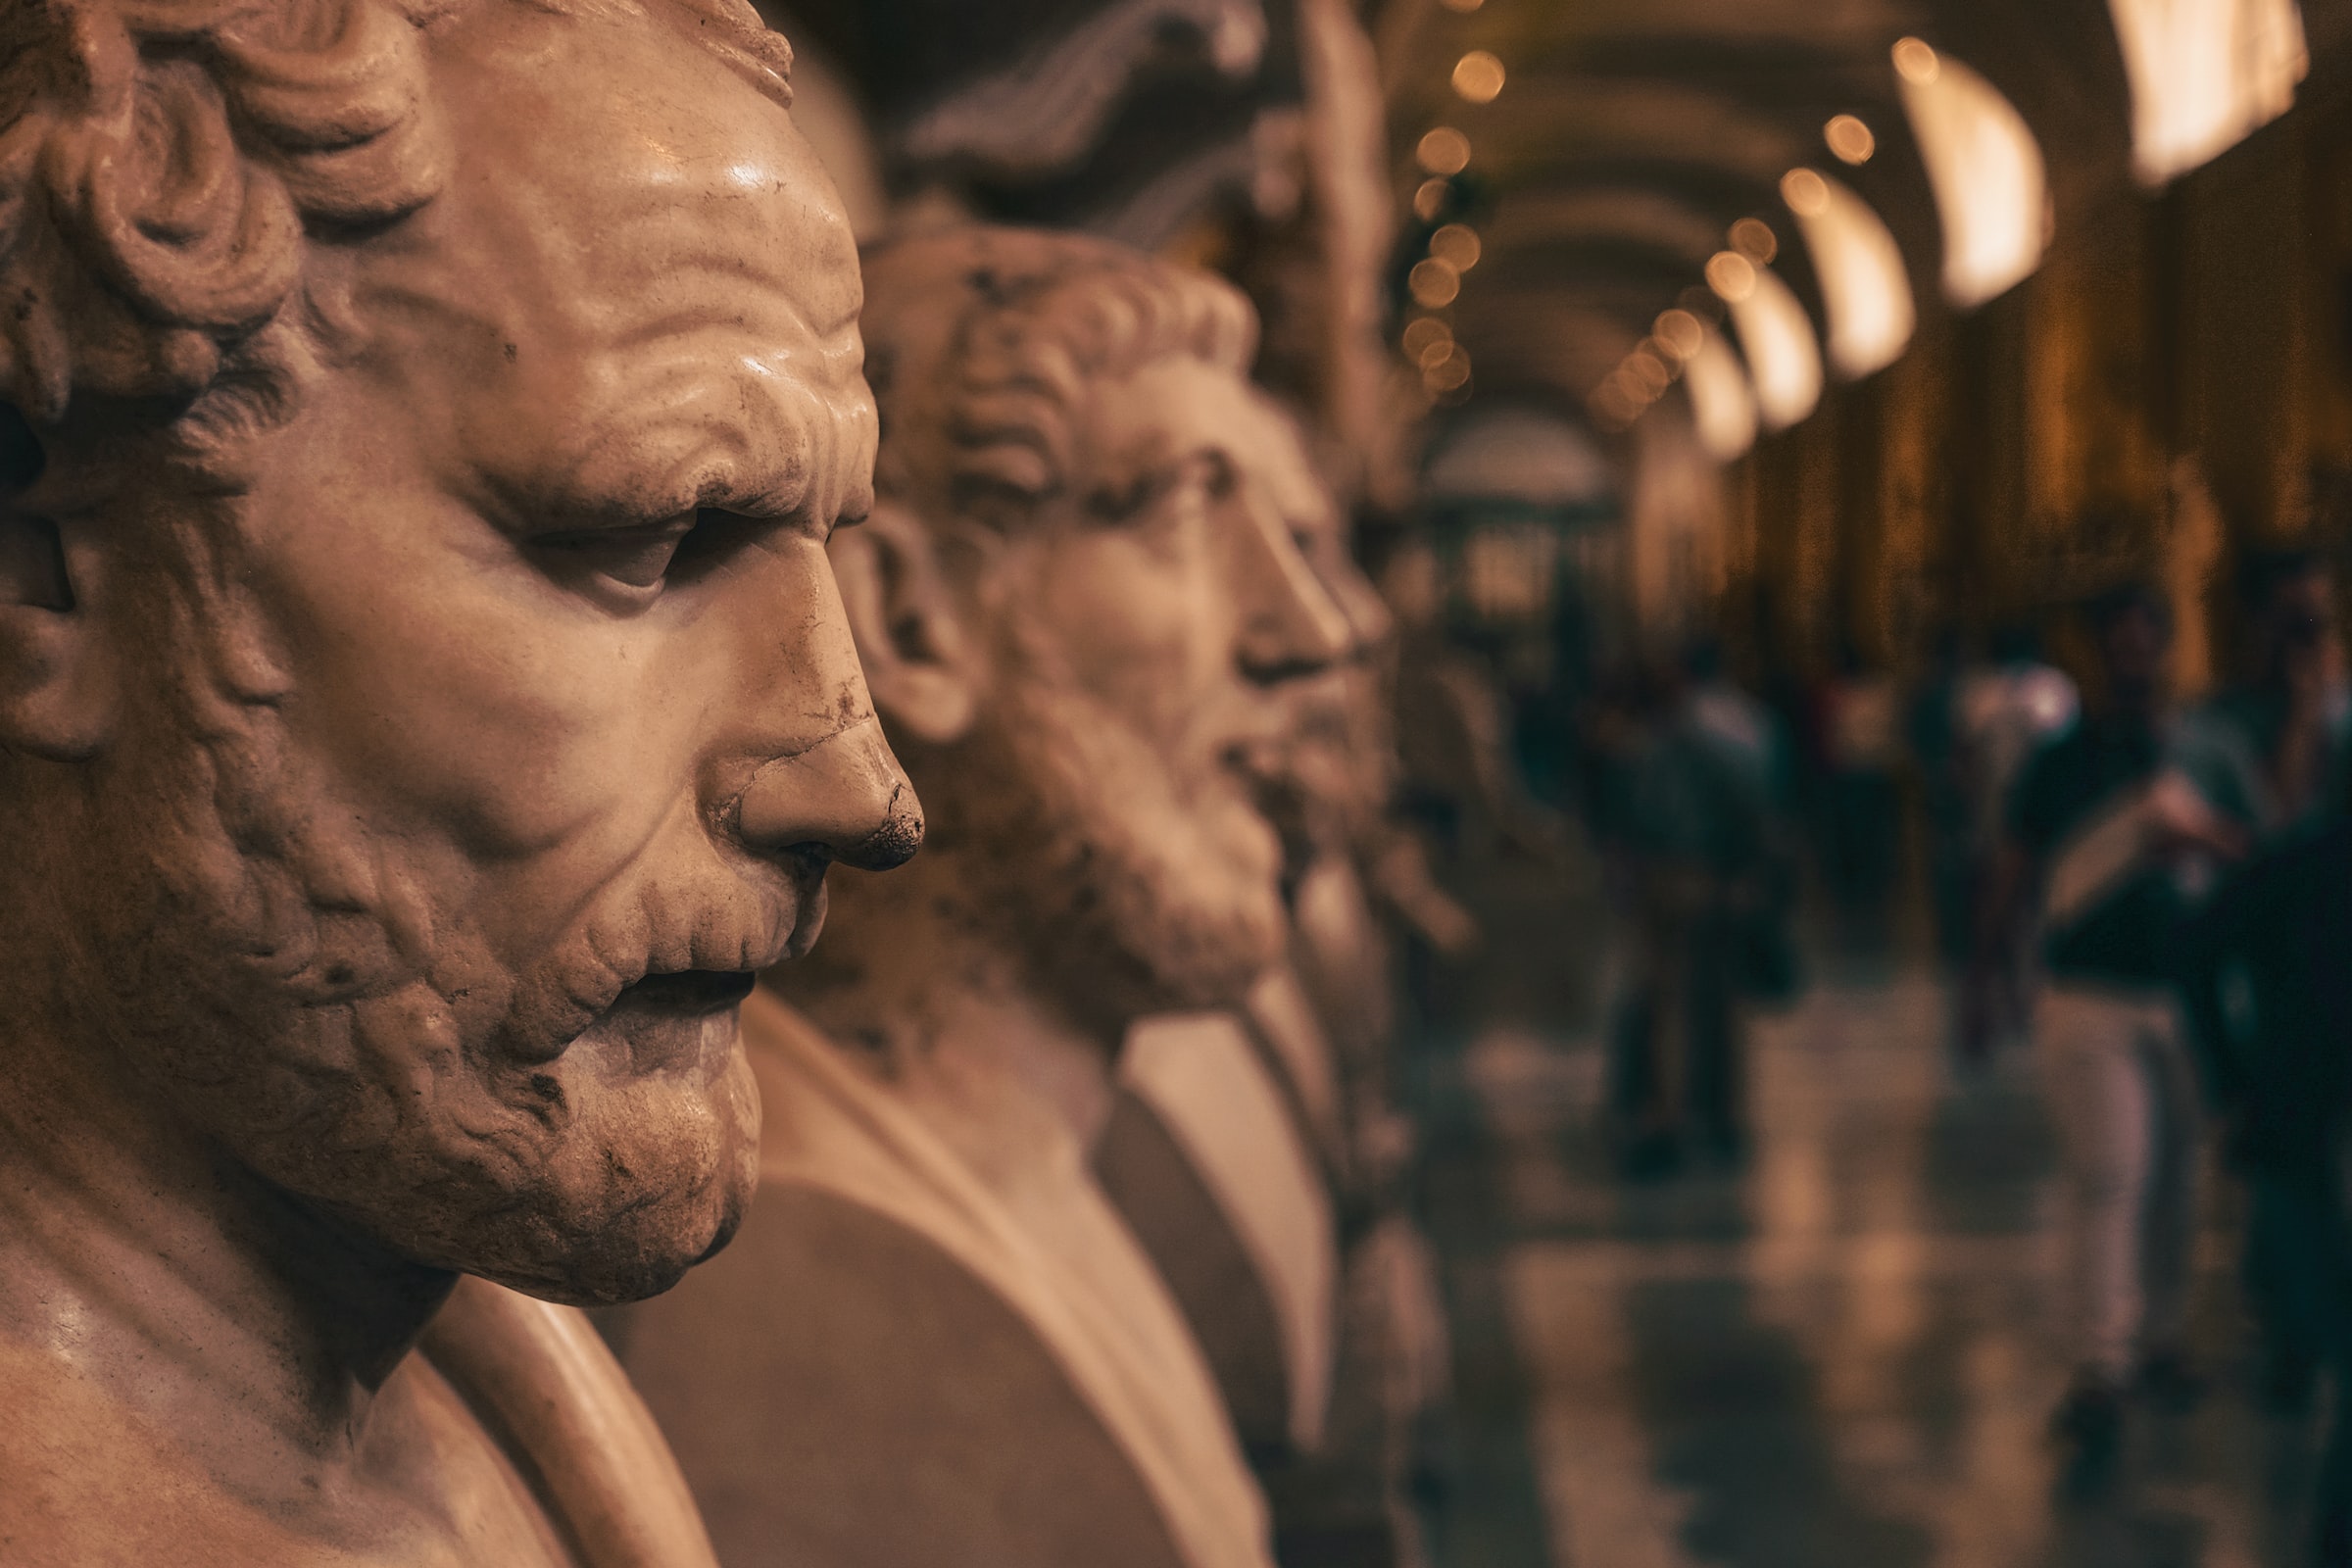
(845, 797)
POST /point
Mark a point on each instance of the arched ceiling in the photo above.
(1631, 135)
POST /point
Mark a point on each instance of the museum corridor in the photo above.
(1844, 1355)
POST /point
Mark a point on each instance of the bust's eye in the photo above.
(635, 555)
(1218, 475)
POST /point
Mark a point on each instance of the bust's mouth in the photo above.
(683, 994)
(668, 1021)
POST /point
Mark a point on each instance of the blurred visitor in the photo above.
(2284, 922)
(1858, 728)
(2268, 753)
(2007, 710)
(1688, 817)
(1933, 730)
(2095, 831)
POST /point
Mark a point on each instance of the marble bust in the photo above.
(1082, 612)
(425, 704)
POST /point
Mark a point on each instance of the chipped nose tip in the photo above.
(894, 843)
(845, 797)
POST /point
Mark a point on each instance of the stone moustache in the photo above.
(425, 705)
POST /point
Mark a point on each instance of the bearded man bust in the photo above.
(1081, 610)
(425, 704)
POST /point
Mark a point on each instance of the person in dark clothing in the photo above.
(2094, 830)
(1689, 821)
(2287, 918)
(1932, 729)
(2271, 755)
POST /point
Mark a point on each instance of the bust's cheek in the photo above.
(517, 733)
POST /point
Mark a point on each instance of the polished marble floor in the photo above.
(1841, 1357)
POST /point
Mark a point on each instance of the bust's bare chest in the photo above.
(82, 1484)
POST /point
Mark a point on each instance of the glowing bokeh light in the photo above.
(1430, 199)
(1434, 284)
(1783, 358)
(1731, 275)
(1457, 246)
(1986, 169)
(1806, 192)
(1852, 141)
(1917, 63)
(1449, 371)
(1723, 407)
(2204, 74)
(1648, 372)
(1478, 77)
(1423, 334)
(1680, 331)
(1753, 238)
(1444, 151)
(1864, 285)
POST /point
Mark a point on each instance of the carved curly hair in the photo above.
(168, 167)
(991, 337)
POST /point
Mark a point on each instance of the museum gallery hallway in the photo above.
(1843, 1357)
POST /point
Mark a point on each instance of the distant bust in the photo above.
(425, 704)
(1083, 606)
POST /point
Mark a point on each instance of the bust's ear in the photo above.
(910, 635)
(58, 696)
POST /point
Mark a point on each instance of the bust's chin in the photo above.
(612, 1198)
(636, 1256)
(651, 1177)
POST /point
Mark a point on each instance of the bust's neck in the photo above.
(230, 1318)
(929, 995)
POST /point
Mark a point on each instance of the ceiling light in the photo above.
(1723, 406)
(2204, 76)
(1680, 331)
(1434, 283)
(1423, 333)
(1444, 151)
(1987, 171)
(1646, 371)
(1754, 239)
(1916, 63)
(1864, 285)
(1850, 139)
(1784, 357)
(1806, 193)
(1457, 246)
(1730, 275)
(1478, 76)
(1448, 372)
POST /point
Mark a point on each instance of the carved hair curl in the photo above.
(982, 343)
(165, 166)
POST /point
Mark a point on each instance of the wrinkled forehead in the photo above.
(638, 281)
(1178, 405)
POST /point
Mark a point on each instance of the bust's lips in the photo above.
(666, 1022)
(685, 993)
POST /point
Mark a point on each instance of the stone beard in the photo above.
(1128, 891)
(303, 989)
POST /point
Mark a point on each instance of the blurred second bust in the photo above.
(1084, 613)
